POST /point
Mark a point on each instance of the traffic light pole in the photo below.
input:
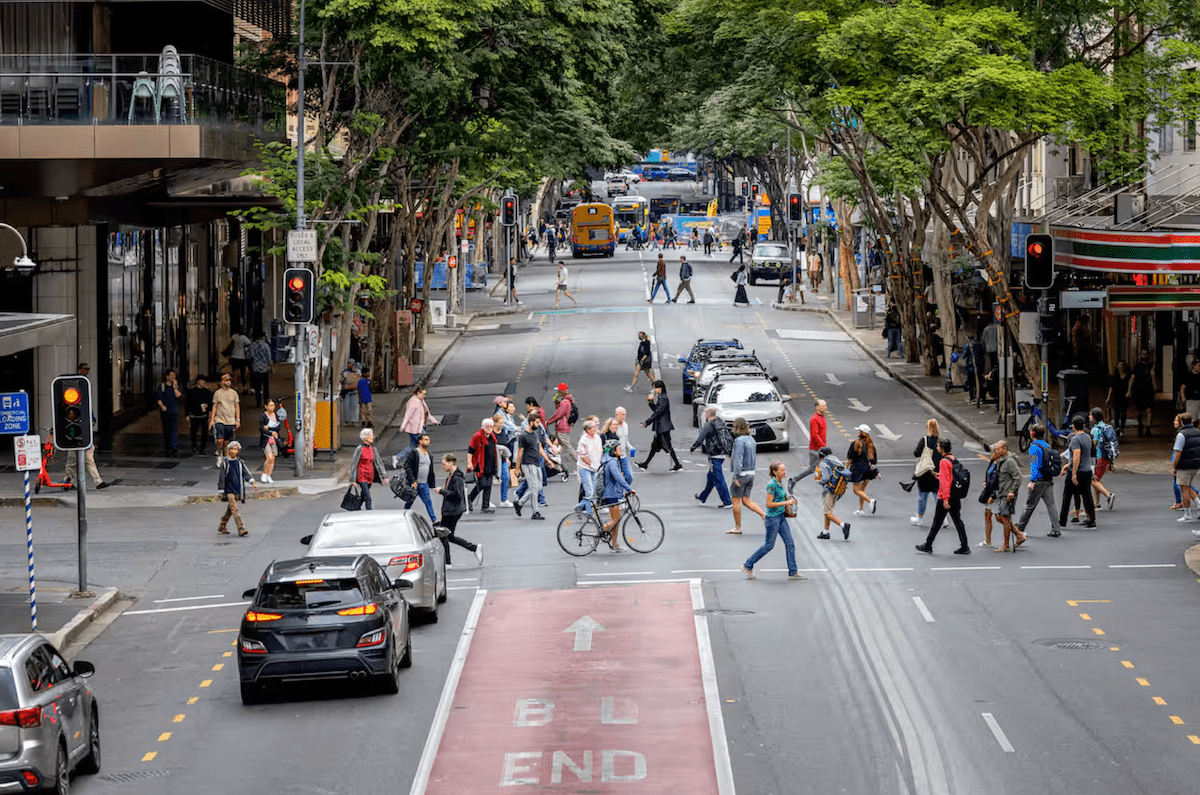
(1044, 309)
(299, 447)
(81, 488)
(298, 430)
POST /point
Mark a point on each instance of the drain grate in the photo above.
(211, 562)
(717, 611)
(136, 775)
(1075, 644)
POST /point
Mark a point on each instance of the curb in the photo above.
(37, 502)
(84, 618)
(265, 494)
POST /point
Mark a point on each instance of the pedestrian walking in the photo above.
(349, 393)
(949, 503)
(1178, 504)
(1185, 462)
(708, 242)
(238, 351)
(484, 460)
(817, 428)
(694, 240)
(232, 477)
(741, 467)
(367, 466)
(987, 494)
(587, 461)
(1107, 448)
(1008, 480)
(268, 440)
(660, 281)
(560, 286)
(779, 507)
(660, 423)
(512, 280)
(89, 455)
(366, 409)
(891, 330)
(739, 244)
(506, 438)
(814, 271)
(454, 500)
(260, 368)
(620, 428)
(925, 473)
(642, 362)
(417, 469)
(1079, 465)
(168, 396)
(861, 461)
(225, 417)
(834, 477)
(685, 281)
(416, 417)
(558, 424)
(197, 402)
(717, 443)
(552, 244)
(1042, 472)
(531, 456)
(739, 295)
(1142, 387)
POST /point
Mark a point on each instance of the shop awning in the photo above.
(20, 331)
(1127, 252)
(1124, 299)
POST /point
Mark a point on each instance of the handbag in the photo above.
(925, 462)
(352, 500)
(789, 511)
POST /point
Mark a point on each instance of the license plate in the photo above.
(311, 640)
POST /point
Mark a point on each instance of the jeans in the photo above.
(666, 290)
(1083, 490)
(423, 494)
(1178, 492)
(483, 484)
(893, 339)
(366, 494)
(170, 430)
(939, 515)
(504, 480)
(776, 526)
(627, 467)
(1042, 491)
(587, 479)
(716, 480)
(923, 500)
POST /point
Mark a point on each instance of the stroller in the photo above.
(555, 468)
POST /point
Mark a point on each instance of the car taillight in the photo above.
(252, 646)
(361, 610)
(373, 638)
(409, 562)
(255, 615)
(28, 718)
(31, 778)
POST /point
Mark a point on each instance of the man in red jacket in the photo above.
(482, 459)
(816, 441)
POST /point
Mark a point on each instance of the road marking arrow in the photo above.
(886, 433)
(832, 379)
(858, 406)
(883, 375)
(583, 629)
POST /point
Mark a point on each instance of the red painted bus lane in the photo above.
(593, 690)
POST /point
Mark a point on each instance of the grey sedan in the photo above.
(404, 543)
(754, 398)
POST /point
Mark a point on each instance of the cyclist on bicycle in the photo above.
(615, 487)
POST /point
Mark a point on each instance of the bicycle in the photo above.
(43, 477)
(1035, 417)
(580, 532)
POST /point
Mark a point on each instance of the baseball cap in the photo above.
(863, 428)
(562, 387)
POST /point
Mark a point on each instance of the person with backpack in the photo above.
(833, 476)
(1078, 467)
(1104, 437)
(954, 481)
(558, 424)
(685, 281)
(1004, 498)
(717, 443)
(1044, 466)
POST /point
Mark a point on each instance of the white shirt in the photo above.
(562, 274)
(590, 447)
(623, 437)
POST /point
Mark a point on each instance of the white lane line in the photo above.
(712, 696)
(965, 568)
(998, 733)
(778, 570)
(1142, 566)
(701, 571)
(462, 588)
(619, 574)
(462, 579)
(920, 603)
(177, 609)
(189, 598)
(796, 418)
(629, 582)
(421, 780)
(1056, 567)
(899, 569)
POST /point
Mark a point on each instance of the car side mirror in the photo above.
(249, 593)
(84, 669)
(683, 361)
(402, 585)
(774, 378)
(785, 398)
(441, 532)
(306, 540)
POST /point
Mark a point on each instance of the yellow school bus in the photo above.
(592, 230)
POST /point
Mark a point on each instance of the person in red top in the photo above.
(483, 461)
(946, 505)
(816, 441)
(558, 426)
(367, 466)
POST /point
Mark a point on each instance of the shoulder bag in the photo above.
(352, 500)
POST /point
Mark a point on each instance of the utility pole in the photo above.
(300, 447)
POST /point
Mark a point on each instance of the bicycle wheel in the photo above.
(1023, 437)
(643, 531)
(578, 534)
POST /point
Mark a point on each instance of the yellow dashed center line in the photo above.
(219, 666)
(1085, 616)
(149, 756)
(227, 654)
(162, 738)
(206, 683)
(1195, 740)
(1097, 630)
(1162, 702)
(1127, 663)
(1178, 721)
(193, 699)
(1143, 682)
(178, 719)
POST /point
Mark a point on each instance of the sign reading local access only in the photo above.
(14, 412)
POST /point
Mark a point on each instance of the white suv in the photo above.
(615, 185)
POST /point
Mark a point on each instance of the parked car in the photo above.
(769, 261)
(405, 543)
(49, 718)
(615, 185)
(754, 397)
(680, 174)
(324, 618)
(695, 361)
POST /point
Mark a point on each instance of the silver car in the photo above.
(49, 721)
(404, 543)
(754, 397)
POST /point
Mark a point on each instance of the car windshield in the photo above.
(308, 594)
(362, 534)
(8, 691)
(748, 391)
(770, 251)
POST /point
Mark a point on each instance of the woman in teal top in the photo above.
(777, 524)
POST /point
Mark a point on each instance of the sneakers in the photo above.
(860, 513)
(1196, 533)
(846, 531)
(1075, 519)
(641, 467)
(479, 554)
(263, 478)
(792, 481)
(1054, 533)
(797, 575)
(537, 516)
(963, 551)
(1112, 500)
(983, 544)
(750, 575)
(726, 505)
(488, 510)
(697, 496)
(925, 549)
(1187, 516)
(517, 508)
(676, 468)
(823, 536)
(506, 504)
(915, 520)
(103, 485)
(874, 505)
(1089, 525)
(628, 389)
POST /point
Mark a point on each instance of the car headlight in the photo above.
(693, 373)
(780, 418)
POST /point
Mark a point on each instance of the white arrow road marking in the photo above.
(886, 433)
(883, 375)
(858, 406)
(583, 629)
(833, 379)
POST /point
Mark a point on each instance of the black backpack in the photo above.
(573, 417)
(1052, 463)
(960, 480)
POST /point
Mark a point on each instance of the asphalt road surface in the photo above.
(1063, 668)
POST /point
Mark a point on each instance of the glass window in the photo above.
(423, 527)
(1189, 135)
(748, 391)
(361, 534)
(309, 595)
(763, 251)
(8, 690)
(39, 670)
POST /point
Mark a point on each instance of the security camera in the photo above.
(24, 265)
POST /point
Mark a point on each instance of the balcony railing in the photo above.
(161, 88)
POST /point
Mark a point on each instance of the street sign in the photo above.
(302, 245)
(416, 305)
(14, 412)
(314, 343)
(452, 261)
(28, 451)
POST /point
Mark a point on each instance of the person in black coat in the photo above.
(660, 423)
(414, 462)
(454, 503)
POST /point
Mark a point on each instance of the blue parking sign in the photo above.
(14, 413)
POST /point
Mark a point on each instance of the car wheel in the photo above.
(753, 279)
(406, 660)
(443, 594)
(62, 773)
(389, 683)
(251, 693)
(90, 764)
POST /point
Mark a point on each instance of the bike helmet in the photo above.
(611, 445)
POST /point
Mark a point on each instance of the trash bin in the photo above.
(862, 305)
(1072, 394)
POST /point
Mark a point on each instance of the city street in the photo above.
(1057, 669)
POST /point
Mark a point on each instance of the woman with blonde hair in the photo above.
(925, 474)
(861, 460)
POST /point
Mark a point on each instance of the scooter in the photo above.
(43, 477)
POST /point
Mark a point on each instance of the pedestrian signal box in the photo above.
(508, 211)
(72, 399)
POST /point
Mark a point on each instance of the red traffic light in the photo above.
(72, 396)
(1035, 249)
(297, 283)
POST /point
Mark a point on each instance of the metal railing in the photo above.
(158, 88)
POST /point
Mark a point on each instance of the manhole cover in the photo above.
(717, 611)
(137, 775)
(1075, 644)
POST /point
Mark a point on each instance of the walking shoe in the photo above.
(750, 575)
(469, 508)
(478, 553)
(860, 513)
(491, 505)
(488, 510)
(1075, 519)
(262, 478)
(908, 486)
(697, 496)
(628, 389)
(506, 504)
(103, 485)
(1089, 525)
(1112, 500)
(925, 549)
(983, 544)
(641, 467)
(846, 531)
(1187, 516)
(798, 575)
(537, 516)
(874, 505)
(792, 481)
(1054, 533)
(676, 468)
(449, 565)
(823, 536)
(914, 520)
(1196, 533)
(963, 551)
(726, 505)
(517, 508)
